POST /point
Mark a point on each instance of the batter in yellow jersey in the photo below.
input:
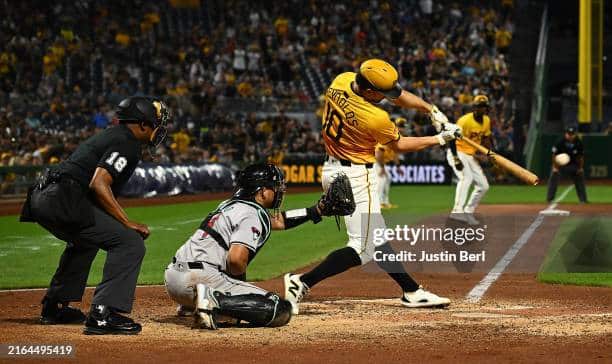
(474, 130)
(353, 126)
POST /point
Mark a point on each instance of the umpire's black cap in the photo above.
(570, 130)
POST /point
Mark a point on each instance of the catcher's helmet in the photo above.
(257, 176)
(145, 109)
(378, 75)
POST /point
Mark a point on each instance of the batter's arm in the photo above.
(413, 144)
(408, 100)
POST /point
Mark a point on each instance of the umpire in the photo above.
(75, 201)
(572, 146)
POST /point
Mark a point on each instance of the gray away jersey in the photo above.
(238, 222)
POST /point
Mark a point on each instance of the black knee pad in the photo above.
(258, 310)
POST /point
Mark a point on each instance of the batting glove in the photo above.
(437, 118)
(451, 132)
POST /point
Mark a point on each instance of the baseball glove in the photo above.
(338, 200)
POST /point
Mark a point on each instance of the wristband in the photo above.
(297, 217)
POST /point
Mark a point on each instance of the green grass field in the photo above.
(581, 253)
(29, 254)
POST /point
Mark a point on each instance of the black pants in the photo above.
(125, 250)
(569, 170)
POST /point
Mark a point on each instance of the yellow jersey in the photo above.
(474, 130)
(388, 154)
(353, 126)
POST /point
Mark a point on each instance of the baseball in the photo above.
(562, 159)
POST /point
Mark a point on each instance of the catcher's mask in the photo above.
(149, 110)
(378, 75)
(257, 176)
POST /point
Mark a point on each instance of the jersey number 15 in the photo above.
(334, 122)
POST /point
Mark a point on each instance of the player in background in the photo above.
(572, 146)
(384, 156)
(475, 125)
(207, 273)
(353, 124)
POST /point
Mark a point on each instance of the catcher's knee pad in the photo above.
(258, 310)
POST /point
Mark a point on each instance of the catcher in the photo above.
(207, 274)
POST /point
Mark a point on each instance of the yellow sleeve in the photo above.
(384, 131)
(462, 123)
(487, 128)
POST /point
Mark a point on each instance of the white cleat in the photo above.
(458, 216)
(295, 290)
(471, 220)
(184, 311)
(423, 298)
(205, 303)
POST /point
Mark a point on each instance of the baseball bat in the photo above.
(520, 172)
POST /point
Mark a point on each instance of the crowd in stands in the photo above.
(64, 64)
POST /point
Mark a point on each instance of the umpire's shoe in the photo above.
(102, 320)
(59, 313)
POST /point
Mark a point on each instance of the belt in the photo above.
(197, 265)
(347, 163)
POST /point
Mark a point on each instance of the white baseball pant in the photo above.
(384, 184)
(361, 224)
(180, 282)
(471, 174)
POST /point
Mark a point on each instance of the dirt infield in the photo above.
(356, 317)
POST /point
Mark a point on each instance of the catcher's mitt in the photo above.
(338, 199)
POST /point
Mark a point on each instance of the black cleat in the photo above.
(59, 313)
(102, 320)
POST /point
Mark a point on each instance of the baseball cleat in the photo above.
(295, 290)
(184, 311)
(423, 298)
(458, 216)
(57, 313)
(205, 304)
(102, 320)
(471, 220)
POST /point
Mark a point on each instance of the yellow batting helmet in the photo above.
(480, 100)
(378, 75)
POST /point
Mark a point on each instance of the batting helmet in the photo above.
(149, 110)
(257, 176)
(480, 100)
(378, 75)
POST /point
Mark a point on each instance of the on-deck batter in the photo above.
(476, 126)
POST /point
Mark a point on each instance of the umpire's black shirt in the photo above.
(115, 149)
(573, 149)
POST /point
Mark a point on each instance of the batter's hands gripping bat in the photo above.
(520, 172)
